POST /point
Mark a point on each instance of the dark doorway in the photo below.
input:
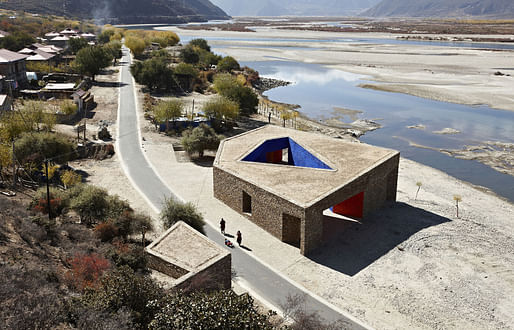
(291, 230)
(247, 203)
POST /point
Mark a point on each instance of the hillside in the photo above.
(294, 7)
(443, 8)
(123, 11)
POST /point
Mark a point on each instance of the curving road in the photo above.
(262, 280)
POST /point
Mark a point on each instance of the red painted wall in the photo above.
(352, 207)
(274, 157)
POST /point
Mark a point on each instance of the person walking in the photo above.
(222, 226)
(239, 238)
(269, 117)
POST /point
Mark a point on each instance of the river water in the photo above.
(319, 90)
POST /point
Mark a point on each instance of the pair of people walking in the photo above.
(239, 236)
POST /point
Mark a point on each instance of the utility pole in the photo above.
(48, 191)
(13, 166)
(193, 111)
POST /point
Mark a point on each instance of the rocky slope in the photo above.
(294, 7)
(123, 11)
(443, 8)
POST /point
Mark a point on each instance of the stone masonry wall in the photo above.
(267, 209)
(216, 277)
(165, 267)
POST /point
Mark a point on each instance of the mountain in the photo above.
(294, 7)
(123, 11)
(442, 8)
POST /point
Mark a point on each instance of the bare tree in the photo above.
(457, 199)
(419, 184)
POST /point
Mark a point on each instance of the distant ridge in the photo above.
(294, 7)
(123, 11)
(443, 8)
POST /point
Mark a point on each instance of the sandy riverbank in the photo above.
(426, 71)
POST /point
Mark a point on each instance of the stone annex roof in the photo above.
(339, 162)
(185, 247)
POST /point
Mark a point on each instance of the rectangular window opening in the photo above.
(247, 203)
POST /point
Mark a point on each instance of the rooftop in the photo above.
(185, 247)
(336, 162)
(6, 56)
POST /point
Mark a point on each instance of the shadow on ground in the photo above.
(109, 84)
(205, 161)
(360, 244)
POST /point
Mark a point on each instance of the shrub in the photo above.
(153, 73)
(130, 223)
(200, 43)
(69, 178)
(116, 207)
(225, 310)
(199, 139)
(123, 254)
(221, 108)
(106, 232)
(228, 64)
(189, 55)
(68, 107)
(175, 211)
(136, 45)
(55, 205)
(86, 269)
(123, 289)
(37, 146)
(91, 203)
(165, 111)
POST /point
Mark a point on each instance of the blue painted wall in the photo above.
(298, 156)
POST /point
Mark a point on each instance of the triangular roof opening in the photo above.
(285, 151)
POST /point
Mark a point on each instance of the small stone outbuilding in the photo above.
(189, 257)
(284, 180)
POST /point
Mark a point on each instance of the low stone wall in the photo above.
(163, 266)
(218, 276)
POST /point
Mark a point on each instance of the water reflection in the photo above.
(319, 90)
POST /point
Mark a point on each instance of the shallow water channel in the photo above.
(319, 90)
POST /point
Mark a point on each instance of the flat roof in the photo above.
(185, 247)
(6, 56)
(59, 86)
(301, 185)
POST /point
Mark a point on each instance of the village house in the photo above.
(13, 68)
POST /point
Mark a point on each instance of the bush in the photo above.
(86, 269)
(221, 108)
(91, 203)
(55, 205)
(200, 43)
(123, 289)
(228, 64)
(116, 207)
(175, 211)
(68, 107)
(123, 254)
(199, 139)
(153, 73)
(216, 310)
(130, 223)
(35, 147)
(106, 232)
(228, 86)
(136, 45)
(189, 55)
(69, 178)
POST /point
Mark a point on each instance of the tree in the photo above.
(91, 203)
(227, 64)
(91, 60)
(175, 211)
(419, 184)
(136, 45)
(221, 108)
(69, 178)
(168, 110)
(200, 43)
(130, 223)
(189, 55)
(214, 310)
(114, 48)
(153, 73)
(76, 44)
(199, 139)
(185, 74)
(457, 199)
(106, 35)
(16, 41)
(35, 147)
(228, 86)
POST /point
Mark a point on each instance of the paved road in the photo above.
(260, 278)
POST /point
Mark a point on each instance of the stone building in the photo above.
(191, 259)
(286, 181)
